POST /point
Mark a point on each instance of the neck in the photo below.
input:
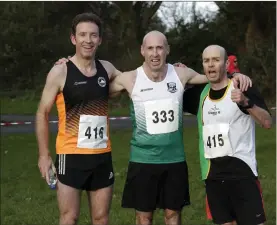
(221, 84)
(155, 76)
(86, 64)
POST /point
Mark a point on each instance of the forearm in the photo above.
(42, 133)
(198, 79)
(261, 116)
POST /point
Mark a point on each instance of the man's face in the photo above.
(154, 50)
(87, 39)
(214, 64)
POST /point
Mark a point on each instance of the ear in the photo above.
(100, 40)
(168, 50)
(142, 50)
(73, 39)
(227, 64)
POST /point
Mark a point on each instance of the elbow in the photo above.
(267, 123)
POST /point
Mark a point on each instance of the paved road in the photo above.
(30, 128)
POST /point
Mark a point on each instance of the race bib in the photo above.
(216, 140)
(92, 132)
(162, 116)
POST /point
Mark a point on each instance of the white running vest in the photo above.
(157, 104)
(227, 131)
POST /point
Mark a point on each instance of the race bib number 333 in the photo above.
(162, 116)
(92, 132)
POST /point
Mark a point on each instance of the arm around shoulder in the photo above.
(119, 83)
(188, 75)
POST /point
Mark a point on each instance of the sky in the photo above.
(181, 9)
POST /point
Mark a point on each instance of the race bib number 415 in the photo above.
(162, 116)
(92, 132)
(216, 140)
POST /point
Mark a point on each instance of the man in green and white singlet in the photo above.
(157, 174)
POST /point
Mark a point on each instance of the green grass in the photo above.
(26, 199)
(26, 106)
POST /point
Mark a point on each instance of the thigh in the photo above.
(70, 176)
(248, 203)
(218, 201)
(140, 191)
(101, 176)
(68, 199)
(175, 194)
(100, 201)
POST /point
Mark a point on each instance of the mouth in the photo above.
(88, 48)
(212, 72)
(155, 61)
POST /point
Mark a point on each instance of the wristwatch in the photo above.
(249, 105)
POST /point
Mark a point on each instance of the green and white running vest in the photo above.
(224, 130)
(157, 118)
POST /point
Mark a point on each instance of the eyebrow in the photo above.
(212, 58)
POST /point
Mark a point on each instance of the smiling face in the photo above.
(214, 63)
(154, 50)
(86, 39)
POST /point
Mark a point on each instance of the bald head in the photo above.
(154, 36)
(155, 49)
(215, 49)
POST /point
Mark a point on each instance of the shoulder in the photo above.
(184, 72)
(107, 65)
(57, 72)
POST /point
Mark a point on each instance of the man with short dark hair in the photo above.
(80, 88)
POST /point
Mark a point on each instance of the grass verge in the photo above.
(26, 199)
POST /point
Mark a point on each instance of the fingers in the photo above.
(235, 82)
(243, 83)
(178, 64)
(47, 177)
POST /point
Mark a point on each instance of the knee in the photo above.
(143, 219)
(68, 218)
(171, 217)
(101, 218)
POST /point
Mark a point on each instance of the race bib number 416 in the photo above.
(162, 116)
(92, 132)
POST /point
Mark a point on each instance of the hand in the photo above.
(178, 64)
(244, 81)
(62, 60)
(237, 96)
(44, 164)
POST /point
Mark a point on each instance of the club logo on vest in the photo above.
(214, 111)
(101, 81)
(171, 87)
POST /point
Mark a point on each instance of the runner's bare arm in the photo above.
(188, 75)
(124, 81)
(51, 88)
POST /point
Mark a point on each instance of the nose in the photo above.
(88, 39)
(211, 64)
(155, 52)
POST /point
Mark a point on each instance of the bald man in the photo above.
(226, 122)
(157, 174)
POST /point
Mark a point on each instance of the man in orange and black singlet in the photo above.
(80, 88)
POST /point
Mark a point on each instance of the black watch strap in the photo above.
(249, 105)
